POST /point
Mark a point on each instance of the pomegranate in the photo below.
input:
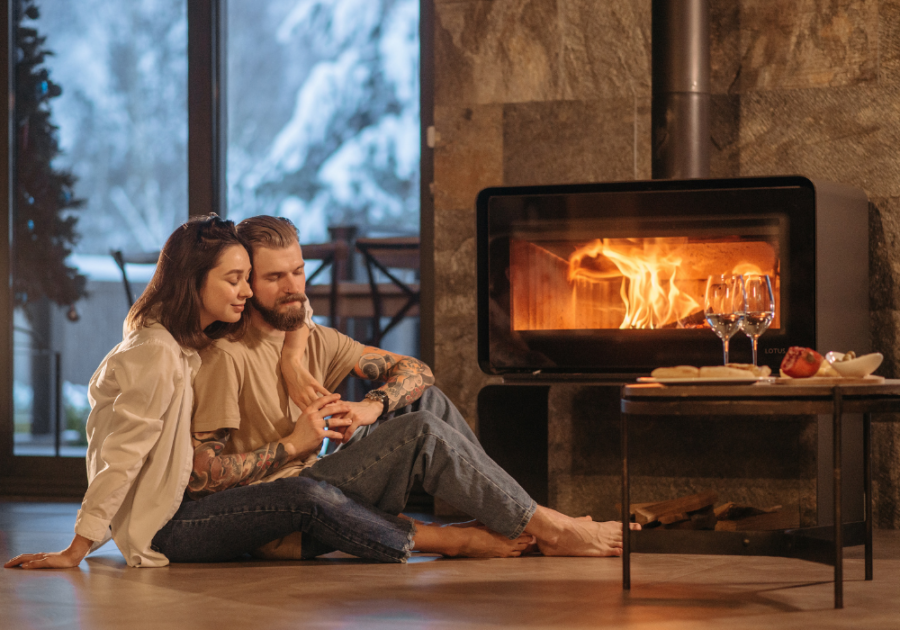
(801, 362)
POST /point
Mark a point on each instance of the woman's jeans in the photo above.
(228, 524)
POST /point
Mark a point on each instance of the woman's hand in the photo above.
(302, 387)
(69, 557)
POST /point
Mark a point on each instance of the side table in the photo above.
(818, 544)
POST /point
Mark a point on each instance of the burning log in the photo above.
(697, 319)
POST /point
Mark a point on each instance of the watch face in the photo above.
(382, 397)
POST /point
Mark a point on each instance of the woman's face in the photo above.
(226, 287)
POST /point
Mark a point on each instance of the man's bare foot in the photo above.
(469, 542)
(535, 548)
(561, 535)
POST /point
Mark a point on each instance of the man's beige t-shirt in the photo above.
(239, 386)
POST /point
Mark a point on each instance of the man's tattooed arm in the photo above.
(405, 378)
(214, 471)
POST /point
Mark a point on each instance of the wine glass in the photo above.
(725, 306)
(760, 307)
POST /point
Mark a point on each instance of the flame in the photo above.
(747, 269)
(649, 272)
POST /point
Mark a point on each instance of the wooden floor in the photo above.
(669, 591)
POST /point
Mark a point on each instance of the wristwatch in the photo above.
(381, 396)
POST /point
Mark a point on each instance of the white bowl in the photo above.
(859, 367)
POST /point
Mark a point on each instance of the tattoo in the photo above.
(374, 366)
(406, 378)
(214, 471)
(408, 381)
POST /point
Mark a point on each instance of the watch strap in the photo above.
(380, 395)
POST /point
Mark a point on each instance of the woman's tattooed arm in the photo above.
(214, 471)
(405, 378)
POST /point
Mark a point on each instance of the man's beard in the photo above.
(287, 320)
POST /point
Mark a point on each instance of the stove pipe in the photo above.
(680, 76)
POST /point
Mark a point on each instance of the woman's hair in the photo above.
(173, 296)
(266, 231)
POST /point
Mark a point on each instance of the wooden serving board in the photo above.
(830, 380)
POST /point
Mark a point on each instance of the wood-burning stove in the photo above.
(607, 279)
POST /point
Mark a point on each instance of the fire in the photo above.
(747, 269)
(649, 271)
(626, 283)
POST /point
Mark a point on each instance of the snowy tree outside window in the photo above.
(323, 114)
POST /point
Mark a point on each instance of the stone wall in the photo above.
(558, 91)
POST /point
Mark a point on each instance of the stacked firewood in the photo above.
(699, 511)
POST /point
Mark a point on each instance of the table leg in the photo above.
(626, 509)
(838, 520)
(867, 475)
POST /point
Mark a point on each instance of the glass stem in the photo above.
(755, 339)
(725, 348)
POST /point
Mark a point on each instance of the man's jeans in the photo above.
(228, 524)
(429, 442)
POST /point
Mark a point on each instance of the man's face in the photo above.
(279, 286)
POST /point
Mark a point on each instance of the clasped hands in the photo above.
(324, 415)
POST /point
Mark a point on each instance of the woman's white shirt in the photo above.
(139, 455)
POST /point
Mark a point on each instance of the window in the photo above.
(323, 114)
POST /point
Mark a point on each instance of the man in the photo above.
(242, 406)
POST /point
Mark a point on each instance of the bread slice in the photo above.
(754, 370)
(724, 371)
(678, 371)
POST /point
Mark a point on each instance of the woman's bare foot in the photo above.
(561, 535)
(468, 542)
(481, 542)
(414, 520)
(464, 524)
(472, 523)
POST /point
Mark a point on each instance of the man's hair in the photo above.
(173, 296)
(267, 231)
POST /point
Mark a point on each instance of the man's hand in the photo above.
(311, 429)
(69, 557)
(360, 414)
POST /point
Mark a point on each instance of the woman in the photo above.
(139, 456)
(139, 448)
